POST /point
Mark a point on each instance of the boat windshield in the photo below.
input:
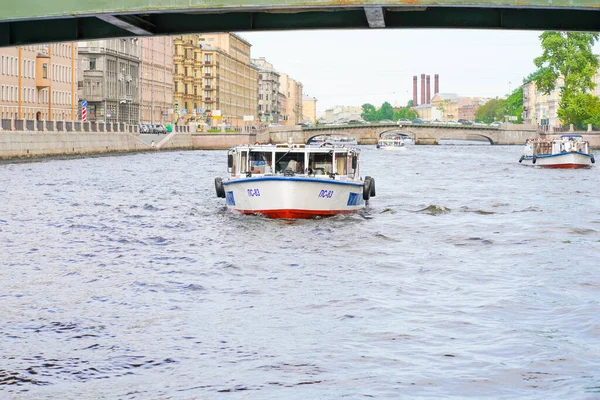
(261, 162)
(286, 160)
(321, 163)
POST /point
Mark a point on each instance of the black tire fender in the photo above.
(534, 158)
(219, 187)
(593, 159)
(372, 191)
(367, 188)
(521, 159)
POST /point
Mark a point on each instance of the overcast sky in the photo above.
(352, 67)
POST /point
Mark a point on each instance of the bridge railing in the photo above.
(48, 126)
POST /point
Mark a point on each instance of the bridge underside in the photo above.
(29, 22)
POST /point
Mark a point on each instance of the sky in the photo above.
(353, 67)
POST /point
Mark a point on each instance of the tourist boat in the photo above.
(337, 140)
(393, 143)
(568, 151)
(295, 180)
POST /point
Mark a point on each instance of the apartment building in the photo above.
(540, 108)
(156, 80)
(268, 91)
(214, 79)
(39, 82)
(309, 109)
(292, 91)
(108, 79)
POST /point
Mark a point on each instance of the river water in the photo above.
(467, 276)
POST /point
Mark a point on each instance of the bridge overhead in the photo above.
(33, 21)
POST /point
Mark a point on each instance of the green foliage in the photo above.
(410, 104)
(580, 110)
(405, 113)
(493, 110)
(568, 55)
(514, 104)
(369, 112)
(386, 111)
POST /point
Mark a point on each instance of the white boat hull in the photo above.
(293, 197)
(561, 160)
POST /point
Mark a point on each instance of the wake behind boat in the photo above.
(295, 180)
(568, 151)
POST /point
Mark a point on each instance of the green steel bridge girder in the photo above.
(35, 21)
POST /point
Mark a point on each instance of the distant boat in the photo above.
(295, 180)
(568, 151)
(336, 140)
(393, 143)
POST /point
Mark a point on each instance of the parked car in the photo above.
(465, 122)
(496, 123)
(479, 123)
(386, 121)
(404, 121)
(417, 121)
(143, 128)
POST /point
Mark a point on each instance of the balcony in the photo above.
(207, 75)
(207, 99)
(208, 87)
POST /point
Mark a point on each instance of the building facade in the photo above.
(108, 79)
(292, 91)
(215, 80)
(268, 91)
(342, 113)
(542, 109)
(39, 82)
(156, 80)
(309, 109)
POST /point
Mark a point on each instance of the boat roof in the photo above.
(571, 135)
(326, 138)
(322, 147)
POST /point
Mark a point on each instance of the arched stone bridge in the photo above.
(421, 133)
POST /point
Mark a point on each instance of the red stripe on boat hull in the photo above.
(297, 214)
(566, 166)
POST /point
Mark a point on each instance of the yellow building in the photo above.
(213, 75)
(309, 109)
(39, 82)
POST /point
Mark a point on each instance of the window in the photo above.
(45, 70)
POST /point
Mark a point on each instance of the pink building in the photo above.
(156, 80)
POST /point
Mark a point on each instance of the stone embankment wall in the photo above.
(15, 145)
(22, 145)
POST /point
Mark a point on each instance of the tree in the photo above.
(514, 104)
(386, 111)
(442, 107)
(410, 104)
(568, 55)
(369, 112)
(405, 113)
(493, 110)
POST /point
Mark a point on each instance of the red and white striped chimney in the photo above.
(428, 89)
(436, 84)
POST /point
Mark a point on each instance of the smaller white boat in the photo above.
(392, 143)
(568, 151)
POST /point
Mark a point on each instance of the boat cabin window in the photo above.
(231, 162)
(261, 162)
(286, 160)
(243, 162)
(321, 163)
